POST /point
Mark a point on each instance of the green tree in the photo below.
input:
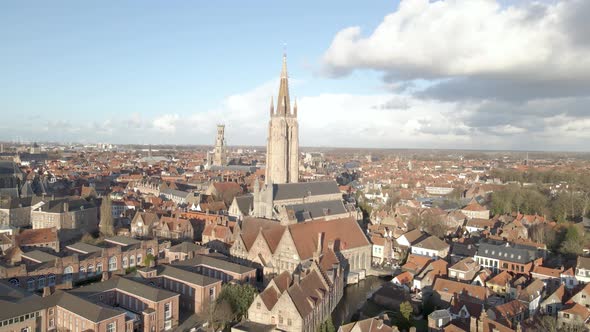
(148, 260)
(239, 297)
(406, 311)
(327, 326)
(572, 242)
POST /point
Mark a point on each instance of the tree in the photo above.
(572, 243)
(327, 326)
(106, 225)
(406, 311)
(148, 260)
(239, 297)
(547, 323)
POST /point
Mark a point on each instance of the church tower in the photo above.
(282, 150)
(220, 153)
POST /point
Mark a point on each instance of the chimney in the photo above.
(47, 291)
(319, 245)
(473, 324)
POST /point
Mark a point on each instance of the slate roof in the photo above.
(307, 211)
(245, 203)
(39, 256)
(84, 248)
(185, 274)
(215, 262)
(506, 253)
(128, 285)
(89, 310)
(74, 204)
(186, 247)
(304, 189)
(122, 240)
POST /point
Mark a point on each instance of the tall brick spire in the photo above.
(283, 103)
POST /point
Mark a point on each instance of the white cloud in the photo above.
(425, 39)
(166, 122)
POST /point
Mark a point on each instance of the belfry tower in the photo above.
(282, 150)
(220, 153)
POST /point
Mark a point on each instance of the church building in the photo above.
(283, 197)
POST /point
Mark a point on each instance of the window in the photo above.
(25, 329)
(50, 311)
(212, 293)
(111, 327)
(68, 271)
(168, 310)
(90, 270)
(51, 323)
(131, 260)
(41, 281)
(15, 282)
(167, 325)
(139, 259)
(124, 262)
(289, 322)
(82, 273)
(112, 263)
(31, 284)
(257, 305)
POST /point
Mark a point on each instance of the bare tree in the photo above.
(106, 225)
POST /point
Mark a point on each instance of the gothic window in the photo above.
(125, 262)
(131, 260)
(99, 268)
(90, 270)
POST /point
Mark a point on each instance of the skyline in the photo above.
(139, 80)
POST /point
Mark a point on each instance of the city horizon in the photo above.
(414, 93)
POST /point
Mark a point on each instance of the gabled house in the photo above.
(574, 315)
(431, 246)
(465, 270)
(509, 314)
(424, 280)
(143, 224)
(410, 238)
(554, 302)
(531, 296)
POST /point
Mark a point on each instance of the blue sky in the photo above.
(77, 59)
(420, 73)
